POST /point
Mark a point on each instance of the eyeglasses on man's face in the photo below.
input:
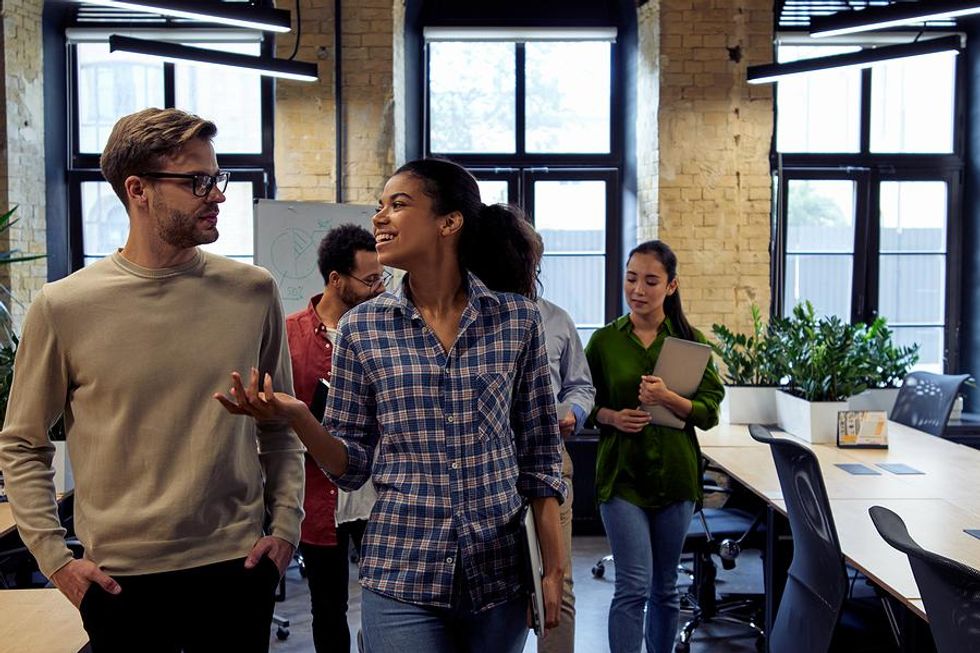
(201, 184)
(375, 281)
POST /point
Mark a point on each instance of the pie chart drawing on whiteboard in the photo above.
(293, 254)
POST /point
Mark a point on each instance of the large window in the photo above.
(534, 121)
(868, 179)
(106, 86)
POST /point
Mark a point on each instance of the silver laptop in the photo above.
(681, 365)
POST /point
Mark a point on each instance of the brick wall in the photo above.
(22, 154)
(305, 112)
(647, 127)
(715, 132)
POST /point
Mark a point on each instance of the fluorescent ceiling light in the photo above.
(903, 13)
(237, 14)
(173, 52)
(522, 34)
(768, 73)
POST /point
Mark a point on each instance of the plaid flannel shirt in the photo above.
(460, 438)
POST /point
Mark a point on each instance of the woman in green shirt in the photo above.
(648, 477)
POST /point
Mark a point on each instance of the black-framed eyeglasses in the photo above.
(201, 183)
(374, 282)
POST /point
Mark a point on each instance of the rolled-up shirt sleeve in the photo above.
(351, 411)
(535, 421)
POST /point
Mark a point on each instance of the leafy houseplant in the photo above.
(751, 372)
(887, 365)
(746, 357)
(824, 368)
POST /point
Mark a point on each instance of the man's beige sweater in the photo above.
(165, 478)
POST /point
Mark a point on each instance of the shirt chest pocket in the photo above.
(493, 404)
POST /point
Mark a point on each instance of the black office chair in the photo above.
(810, 610)
(950, 590)
(925, 400)
(722, 532)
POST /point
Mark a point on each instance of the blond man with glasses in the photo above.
(188, 516)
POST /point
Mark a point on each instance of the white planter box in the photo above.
(745, 404)
(874, 399)
(813, 422)
(63, 479)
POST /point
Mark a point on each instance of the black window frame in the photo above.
(621, 158)
(868, 169)
(257, 168)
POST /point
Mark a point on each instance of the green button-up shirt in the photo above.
(660, 464)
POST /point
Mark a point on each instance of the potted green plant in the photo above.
(824, 370)
(751, 374)
(887, 365)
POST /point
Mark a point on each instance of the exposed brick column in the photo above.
(715, 131)
(305, 139)
(22, 151)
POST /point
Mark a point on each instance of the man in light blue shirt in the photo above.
(574, 394)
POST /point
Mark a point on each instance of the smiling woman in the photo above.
(441, 393)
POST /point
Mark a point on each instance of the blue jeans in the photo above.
(391, 626)
(646, 545)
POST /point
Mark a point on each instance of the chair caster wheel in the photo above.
(599, 571)
(282, 634)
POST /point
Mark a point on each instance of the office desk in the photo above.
(7, 523)
(936, 505)
(935, 524)
(39, 621)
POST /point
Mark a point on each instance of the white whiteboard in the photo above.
(287, 236)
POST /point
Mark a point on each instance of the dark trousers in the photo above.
(328, 577)
(219, 607)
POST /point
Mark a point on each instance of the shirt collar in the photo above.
(624, 324)
(476, 292)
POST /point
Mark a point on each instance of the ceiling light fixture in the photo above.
(866, 58)
(895, 15)
(173, 52)
(236, 14)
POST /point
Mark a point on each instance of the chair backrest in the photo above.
(950, 590)
(925, 400)
(817, 582)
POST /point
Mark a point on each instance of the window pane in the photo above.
(230, 98)
(567, 96)
(912, 288)
(472, 97)
(571, 215)
(235, 223)
(824, 280)
(111, 86)
(576, 283)
(913, 216)
(931, 346)
(912, 104)
(821, 111)
(105, 224)
(820, 216)
(493, 191)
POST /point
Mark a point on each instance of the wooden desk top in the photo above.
(39, 621)
(754, 468)
(727, 435)
(7, 522)
(936, 505)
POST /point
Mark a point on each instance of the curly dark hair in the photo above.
(339, 246)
